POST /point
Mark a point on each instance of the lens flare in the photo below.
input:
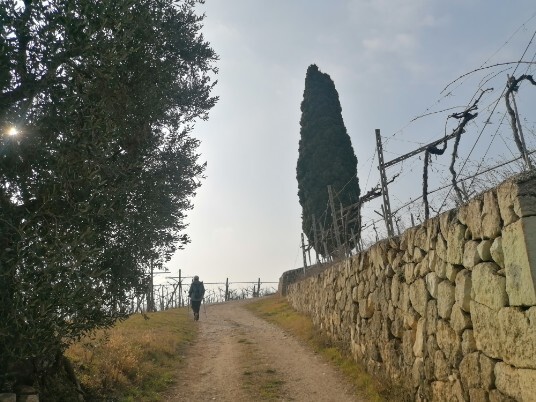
(12, 131)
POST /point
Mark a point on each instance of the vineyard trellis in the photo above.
(175, 294)
(352, 213)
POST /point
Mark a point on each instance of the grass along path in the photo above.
(137, 359)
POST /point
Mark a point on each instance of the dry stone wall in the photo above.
(448, 308)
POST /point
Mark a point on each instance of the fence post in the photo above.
(303, 253)
(387, 207)
(226, 289)
(334, 217)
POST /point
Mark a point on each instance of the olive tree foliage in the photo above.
(104, 95)
(326, 157)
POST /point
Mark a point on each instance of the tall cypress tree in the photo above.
(326, 157)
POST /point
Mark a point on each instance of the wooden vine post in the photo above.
(386, 206)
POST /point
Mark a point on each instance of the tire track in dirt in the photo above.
(217, 365)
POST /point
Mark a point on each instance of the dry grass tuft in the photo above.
(135, 360)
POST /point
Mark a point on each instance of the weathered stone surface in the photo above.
(8, 397)
(418, 346)
(470, 254)
(449, 343)
(497, 396)
(508, 335)
(432, 281)
(519, 247)
(408, 340)
(397, 325)
(418, 371)
(459, 320)
(404, 302)
(451, 271)
(488, 287)
(487, 372)
(491, 216)
(525, 200)
(418, 254)
(470, 370)
(483, 250)
(366, 307)
(432, 229)
(445, 220)
(441, 367)
(431, 317)
(441, 248)
(421, 237)
(474, 217)
(463, 290)
(478, 395)
(468, 342)
(516, 383)
(496, 251)
(506, 194)
(419, 296)
(455, 243)
(445, 299)
(409, 272)
(411, 318)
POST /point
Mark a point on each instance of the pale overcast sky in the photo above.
(389, 59)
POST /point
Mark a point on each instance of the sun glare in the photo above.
(12, 131)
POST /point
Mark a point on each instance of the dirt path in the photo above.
(239, 357)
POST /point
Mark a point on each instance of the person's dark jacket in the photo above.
(197, 291)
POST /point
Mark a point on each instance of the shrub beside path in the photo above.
(240, 357)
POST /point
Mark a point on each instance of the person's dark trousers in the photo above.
(196, 305)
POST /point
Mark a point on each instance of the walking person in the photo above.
(196, 294)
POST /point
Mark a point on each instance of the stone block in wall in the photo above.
(441, 269)
(459, 320)
(473, 220)
(8, 397)
(441, 366)
(404, 302)
(525, 200)
(515, 383)
(397, 325)
(463, 286)
(431, 317)
(420, 338)
(491, 216)
(487, 371)
(483, 250)
(478, 395)
(508, 335)
(470, 371)
(506, 193)
(409, 272)
(496, 251)
(447, 391)
(455, 243)
(451, 271)
(449, 342)
(432, 281)
(445, 299)
(497, 396)
(519, 248)
(411, 318)
(445, 220)
(408, 340)
(488, 287)
(419, 296)
(441, 248)
(471, 257)
(366, 307)
(421, 238)
(432, 230)
(418, 372)
(468, 342)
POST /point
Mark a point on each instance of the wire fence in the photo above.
(489, 139)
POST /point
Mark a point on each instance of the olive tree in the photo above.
(102, 96)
